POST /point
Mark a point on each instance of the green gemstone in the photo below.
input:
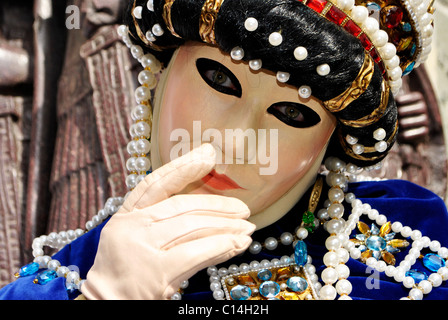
(308, 217)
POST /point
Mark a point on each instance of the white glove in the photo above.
(157, 240)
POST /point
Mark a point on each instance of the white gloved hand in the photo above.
(159, 239)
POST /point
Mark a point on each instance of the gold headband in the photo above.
(349, 151)
(375, 115)
(358, 87)
(167, 17)
(209, 14)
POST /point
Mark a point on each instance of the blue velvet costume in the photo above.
(401, 201)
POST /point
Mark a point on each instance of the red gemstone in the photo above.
(351, 27)
(382, 67)
(391, 16)
(317, 5)
(375, 56)
(335, 15)
(366, 43)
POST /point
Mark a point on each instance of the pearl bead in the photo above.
(435, 245)
(323, 70)
(334, 226)
(381, 219)
(358, 149)
(157, 30)
(146, 77)
(333, 243)
(150, 61)
(305, 92)
(255, 247)
(380, 38)
(381, 146)
(237, 53)
(136, 51)
(435, 279)
(251, 24)
(283, 77)
(336, 210)
(336, 195)
(359, 14)
(408, 282)
(397, 227)
(122, 30)
(302, 233)
(138, 12)
(425, 286)
(275, 39)
(218, 294)
(343, 255)
(300, 53)
(142, 94)
(142, 146)
(351, 140)
(344, 287)
(395, 74)
(329, 276)
(150, 36)
(416, 294)
(327, 292)
(255, 64)
(388, 51)
(331, 259)
(371, 25)
(379, 134)
(443, 252)
(150, 5)
(286, 238)
(443, 272)
(406, 232)
(355, 253)
(271, 243)
(346, 4)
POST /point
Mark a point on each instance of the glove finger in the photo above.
(197, 203)
(173, 232)
(171, 178)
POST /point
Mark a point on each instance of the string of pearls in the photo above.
(139, 163)
(59, 240)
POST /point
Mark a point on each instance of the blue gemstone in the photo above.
(360, 237)
(269, 289)
(433, 262)
(46, 276)
(407, 27)
(376, 243)
(409, 68)
(264, 275)
(417, 275)
(297, 284)
(301, 253)
(29, 269)
(240, 292)
(374, 229)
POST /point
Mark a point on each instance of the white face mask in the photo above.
(204, 96)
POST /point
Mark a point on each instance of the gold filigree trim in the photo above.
(167, 17)
(207, 21)
(357, 88)
(376, 115)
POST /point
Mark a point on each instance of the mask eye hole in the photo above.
(219, 77)
(294, 114)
